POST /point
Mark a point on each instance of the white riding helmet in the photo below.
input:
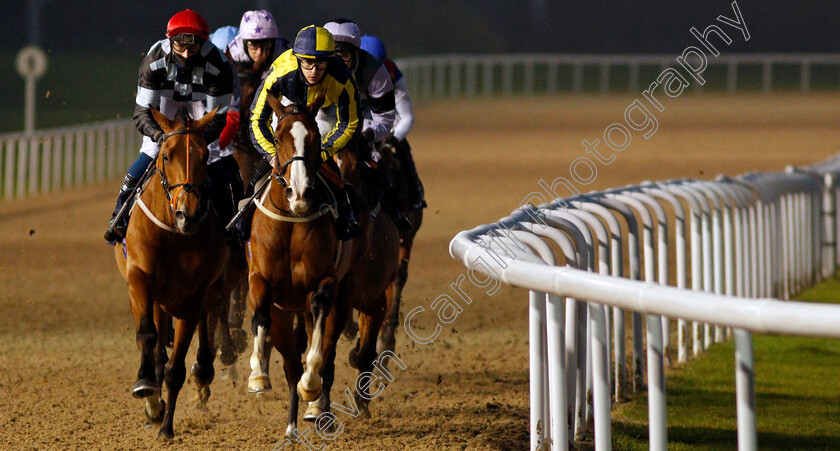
(258, 25)
(345, 32)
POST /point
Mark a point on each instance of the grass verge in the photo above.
(797, 395)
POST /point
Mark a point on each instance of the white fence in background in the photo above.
(55, 159)
(468, 76)
(738, 241)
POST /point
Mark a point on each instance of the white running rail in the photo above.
(740, 241)
(54, 159)
(467, 76)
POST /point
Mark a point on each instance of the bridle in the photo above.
(280, 175)
(180, 188)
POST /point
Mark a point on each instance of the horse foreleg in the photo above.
(142, 308)
(218, 316)
(387, 338)
(321, 302)
(284, 340)
(155, 406)
(202, 370)
(260, 294)
(332, 331)
(369, 324)
(176, 372)
(237, 316)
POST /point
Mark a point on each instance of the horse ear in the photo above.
(274, 103)
(162, 120)
(317, 103)
(201, 123)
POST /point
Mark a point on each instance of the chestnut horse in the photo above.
(293, 267)
(246, 156)
(387, 339)
(369, 285)
(174, 265)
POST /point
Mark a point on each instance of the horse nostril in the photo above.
(289, 192)
(307, 194)
(179, 215)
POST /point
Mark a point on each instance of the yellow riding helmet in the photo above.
(314, 43)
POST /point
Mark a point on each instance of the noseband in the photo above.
(182, 188)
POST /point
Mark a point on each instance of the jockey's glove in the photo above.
(159, 137)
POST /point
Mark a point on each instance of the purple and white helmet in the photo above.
(345, 31)
(257, 25)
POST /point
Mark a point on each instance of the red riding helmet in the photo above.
(188, 21)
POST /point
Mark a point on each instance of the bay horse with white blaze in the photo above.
(174, 265)
(293, 267)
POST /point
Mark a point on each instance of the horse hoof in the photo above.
(144, 388)
(203, 379)
(240, 340)
(312, 413)
(227, 357)
(307, 395)
(350, 330)
(352, 358)
(165, 435)
(229, 373)
(364, 410)
(157, 417)
(259, 384)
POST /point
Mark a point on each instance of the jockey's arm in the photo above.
(232, 119)
(381, 102)
(260, 129)
(219, 94)
(405, 110)
(346, 98)
(148, 96)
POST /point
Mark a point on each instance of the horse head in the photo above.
(182, 166)
(298, 144)
(351, 160)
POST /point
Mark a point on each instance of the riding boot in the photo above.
(347, 226)
(237, 186)
(392, 203)
(119, 228)
(222, 196)
(416, 194)
(243, 224)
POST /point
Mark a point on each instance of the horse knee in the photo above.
(321, 297)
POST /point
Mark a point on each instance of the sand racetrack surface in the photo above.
(68, 358)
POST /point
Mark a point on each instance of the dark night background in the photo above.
(428, 27)
(99, 44)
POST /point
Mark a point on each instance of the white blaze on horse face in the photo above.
(299, 180)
